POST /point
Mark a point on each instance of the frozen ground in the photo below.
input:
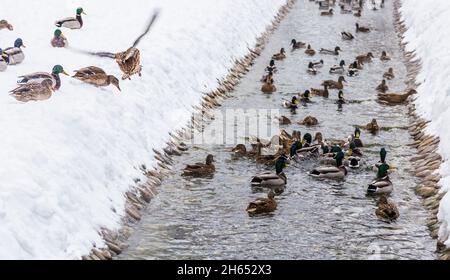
(429, 35)
(65, 163)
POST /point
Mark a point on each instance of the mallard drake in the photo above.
(200, 169)
(358, 13)
(347, 35)
(15, 54)
(38, 77)
(389, 75)
(331, 172)
(240, 150)
(386, 210)
(292, 104)
(355, 66)
(272, 180)
(311, 69)
(33, 91)
(395, 98)
(309, 121)
(262, 205)
(362, 29)
(5, 24)
(271, 68)
(72, 22)
(3, 61)
(59, 40)
(338, 69)
(283, 120)
(280, 56)
(332, 52)
(382, 87)
(381, 186)
(384, 56)
(356, 138)
(305, 96)
(320, 92)
(327, 13)
(297, 45)
(333, 84)
(268, 88)
(96, 76)
(310, 51)
(318, 64)
(364, 58)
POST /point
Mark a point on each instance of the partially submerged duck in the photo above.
(384, 56)
(305, 96)
(395, 98)
(96, 76)
(33, 91)
(347, 35)
(386, 210)
(297, 45)
(4, 24)
(240, 150)
(200, 169)
(38, 77)
(280, 56)
(362, 29)
(338, 69)
(356, 138)
(15, 54)
(309, 121)
(310, 51)
(72, 22)
(382, 87)
(262, 205)
(336, 51)
(320, 92)
(334, 84)
(389, 75)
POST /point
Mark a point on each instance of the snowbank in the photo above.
(429, 35)
(65, 163)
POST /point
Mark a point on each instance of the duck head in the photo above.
(383, 82)
(357, 133)
(390, 70)
(18, 43)
(272, 62)
(383, 154)
(383, 53)
(357, 25)
(370, 54)
(209, 159)
(330, 11)
(374, 122)
(293, 42)
(114, 81)
(309, 47)
(306, 93)
(271, 194)
(80, 11)
(294, 100)
(321, 61)
(337, 49)
(58, 69)
(318, 137)
(307, 138)
(342, 63)
(341, 79)
(58, 33)
(282, 51)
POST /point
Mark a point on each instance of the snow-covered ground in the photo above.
(65, 163)
(429, 35)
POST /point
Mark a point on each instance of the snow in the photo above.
(67, 162)
(429, 36)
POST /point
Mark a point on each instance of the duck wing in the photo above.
(195, 166)
(90, 71)
(60, 22)
(37, 76)
(147, 29)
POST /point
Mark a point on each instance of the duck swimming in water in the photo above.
(320, 92)
(309, 121)
(357, 138)
(331, 52)
(96, 76)
(386, 210)
(331, 172)
(33, 91)
(335, 84)
(15, 54)
(372, 126)
(271, 68)
(318, 64)
(262, 205)
(309, 51)
(280, 56)
(327, 13)
(200, 169)
(395, 98)
(364, 58)
(389, 75)
(305, 97)
(382, 87)
(311, 69)
(384, 56)
(297, 45)
(347, 35)
(270, 180)
(72, 22)
(38, 77)
(4, 24)
(362, 29)
(338, 69)
(292, 104)
(59, 40)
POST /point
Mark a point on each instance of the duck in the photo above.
(382, 87)
(35, 91)
(280, 56)
(395, 98)
(362, 29)
(310, 51)
(356, 138)
(333, 84)
(200, 169)
(297, 45)
(372, 126)
(38, 77)
(345, 10)
(268, 87)
(96, 76)
(380, 186)
(72, 22)
(283, 120)
(384, 56)
(331, 172)
(309, 121)
(305, 97)
(59, 40)
(3, 61)
(347, 35)
(318, 64)
(332, 52)
(262, 205)
(320, 92)
(341, 99)
(4, 24)
(386, 210)
(291, 104)
(338, 69)
(311, 69)
(271, 68)
(239, 150)
(268, 179)
(364, 58)
(267, 78)
(358, 13)
(15, 54)
(327, 13)
(389, 75)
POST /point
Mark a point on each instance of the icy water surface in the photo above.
(206, 218)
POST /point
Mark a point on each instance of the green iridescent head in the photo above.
(80, 11)
(57, 33)
(58, 69)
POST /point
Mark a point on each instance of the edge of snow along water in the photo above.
(67, 162)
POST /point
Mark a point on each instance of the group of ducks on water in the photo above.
(41, 85)
(334, 156)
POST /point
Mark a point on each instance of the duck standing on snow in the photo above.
(129, 61)
(3, 61)
(262, 205)
(33, 91)
(96, 76)
(200, 169)
(38, 77)
(5, 24)
(72, 22)
(15, 54)
(59, 40)
(386, 210)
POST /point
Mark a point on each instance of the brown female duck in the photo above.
(297, 45)
(362, 29)
(395, 98)
(5, 24)
(384, 56)
(309, 121)
(327, 13)
(262, 205)
(200, 169)
(268, 87)
(389, 75)
(364, 58)
(372, 126)
(96, 76)
(34, 91)
(386, 210)
(334, 84)
(310, 51)
(320, 92)
(280, 56)
(382, 87)
(283, 120)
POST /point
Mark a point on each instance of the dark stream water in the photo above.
(206, 219)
